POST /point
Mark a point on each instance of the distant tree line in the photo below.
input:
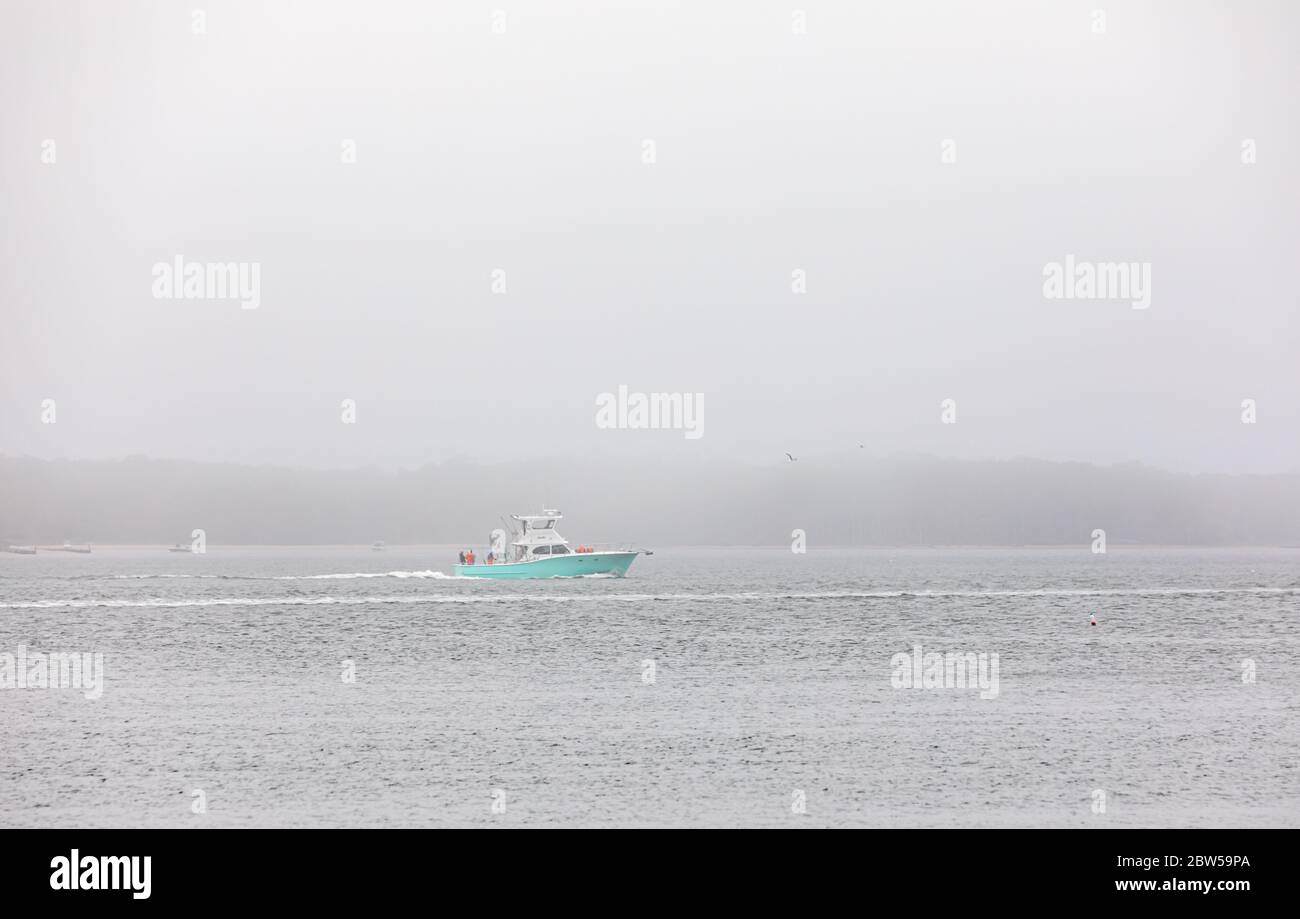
(842, 500)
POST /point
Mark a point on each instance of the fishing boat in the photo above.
(21, 550)
(377, 546)
(536, 550)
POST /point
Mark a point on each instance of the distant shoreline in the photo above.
(888, 503)
(1072, 547)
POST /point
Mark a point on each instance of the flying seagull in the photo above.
(792, 459)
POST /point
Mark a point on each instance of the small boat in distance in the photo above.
(68, 547)
(537, 550)
(377, 546)
(21, 550)
(179, 548)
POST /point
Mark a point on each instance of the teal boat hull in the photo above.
(574, 565)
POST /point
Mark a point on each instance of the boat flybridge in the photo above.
(535, 549)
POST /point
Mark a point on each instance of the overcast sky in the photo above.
(775, 150)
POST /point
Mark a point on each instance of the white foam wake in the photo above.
(168, 603)
(430, 575)
(163, 602)
(433, 575)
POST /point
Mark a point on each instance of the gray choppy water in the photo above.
(772, 674)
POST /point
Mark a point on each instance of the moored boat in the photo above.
(69, 547)
(536, 550)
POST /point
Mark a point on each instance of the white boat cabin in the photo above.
(537, 537)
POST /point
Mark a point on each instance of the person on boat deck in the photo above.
(462, 556)
(491, 558)
(469, 557)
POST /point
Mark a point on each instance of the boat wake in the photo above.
(429, 575)
(169, 603)
(165, 602)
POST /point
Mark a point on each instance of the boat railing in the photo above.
(509, 557)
